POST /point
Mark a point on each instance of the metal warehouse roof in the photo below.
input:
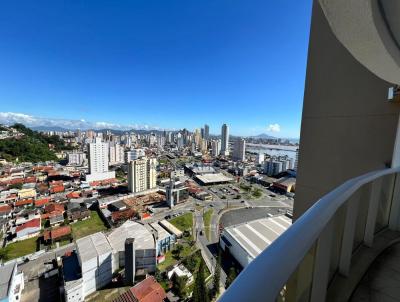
(91, 246)
(143, 237)
(256, 235)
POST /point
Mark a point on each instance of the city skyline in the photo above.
(169, 65)
(10, 118)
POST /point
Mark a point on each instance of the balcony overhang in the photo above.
(369, 30)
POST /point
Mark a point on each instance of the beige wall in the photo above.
(348, 126)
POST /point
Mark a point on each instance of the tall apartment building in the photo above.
(260, 158)
(142, 174)
(76, 158)
(133, 155)
(206, 132)
(273, 167)
(116, 154)
(225, 140)
(239, 150)
(98, 161)
(215, 147)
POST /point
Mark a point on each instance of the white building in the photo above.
(296, 162)
(76, 158)
(247, 240)
(215, 147)
(95, 259)
(142, 175)
(99, 256)
(239, 150)
(225, 140)
(98, 161)
(116, 154)
(273, 167)
(133, 154)
(260, 158)
(11, 283)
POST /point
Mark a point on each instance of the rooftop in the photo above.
(213, 178)
(92, 246)
(6, 273)
(143, 238)
(256, 235)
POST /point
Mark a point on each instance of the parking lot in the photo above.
(243, 215)
(224, 191)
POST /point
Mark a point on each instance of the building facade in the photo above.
(225, 140)
(142, 175)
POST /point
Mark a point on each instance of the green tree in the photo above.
(179, 285)
(200, 291)
(178, 251)
(231, 277)
(217, 275)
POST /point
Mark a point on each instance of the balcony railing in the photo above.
(345, 218)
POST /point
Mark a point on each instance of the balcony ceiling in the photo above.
(370, 30)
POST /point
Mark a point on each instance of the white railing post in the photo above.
(394, 216)
(373, 206)
(350, 223)
(321, 264)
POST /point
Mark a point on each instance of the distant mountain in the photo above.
(49, 128)
(114, 131)
(264, 136)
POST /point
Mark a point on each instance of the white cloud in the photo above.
(9, 118)
(274, 128)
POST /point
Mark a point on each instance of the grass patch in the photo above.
(19, 249)
(207, 222)
(183, 222)
(89, 226)
(171, 260)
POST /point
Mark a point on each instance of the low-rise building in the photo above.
(28, 229)
(149, 290)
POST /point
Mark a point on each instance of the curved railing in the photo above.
(265, 277)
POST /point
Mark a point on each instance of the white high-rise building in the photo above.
(98, 161)
(224, 140)
(142, 174)
(260, 158)
(216, 147)
(239, 150)
(134, 154)
(116, 153)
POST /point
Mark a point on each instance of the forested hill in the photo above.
(32, 146)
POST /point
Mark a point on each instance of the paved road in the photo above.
(204, 244)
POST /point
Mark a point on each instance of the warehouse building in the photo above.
(145, 246)
(99, 256)
(95, 259)
(247, 240)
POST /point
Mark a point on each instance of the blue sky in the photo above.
(170, 64)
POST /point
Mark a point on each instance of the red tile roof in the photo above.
(41, 202)
(74, 195)
(57, 233)
(54, 207)
(31, 179)
(57, 189)
(34, 223)
(23, 202)
(149, 290)
(5, 208)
